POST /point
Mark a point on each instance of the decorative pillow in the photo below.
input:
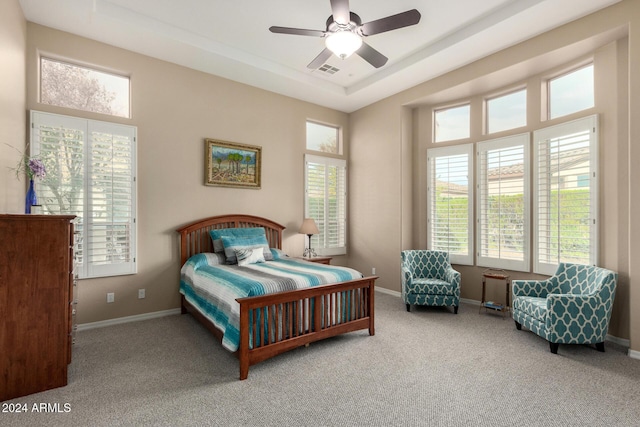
(249, 256)
(233, 232)
(232, 243)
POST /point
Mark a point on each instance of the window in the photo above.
(326, 203)
(91, 174)
(81, 88)
(503, 203)
(449, 202)
(452, 123)
(507, 111)
(571, 92)
(565, 229)
(322, 138)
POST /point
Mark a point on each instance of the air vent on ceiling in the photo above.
(326, 68)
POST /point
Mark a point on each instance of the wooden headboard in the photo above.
(195, 239)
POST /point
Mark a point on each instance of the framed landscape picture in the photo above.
(232, 165)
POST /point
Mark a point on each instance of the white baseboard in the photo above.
(388, 292)
(634, 354)
(128, 319)
(620, 341)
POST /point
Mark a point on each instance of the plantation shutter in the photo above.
(565, 194)
(91, 174)
(503, 203)
(325, 202)
(449, 202)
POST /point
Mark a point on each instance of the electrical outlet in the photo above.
(140, 293)
(373, 270)
(111, 297)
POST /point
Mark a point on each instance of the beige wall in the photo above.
(13, 40)
(175, 108)
(379, 129)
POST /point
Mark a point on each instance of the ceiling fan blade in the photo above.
(340, 11)
(297, 31)
(372, 56)
(320, 59)
(404, 19)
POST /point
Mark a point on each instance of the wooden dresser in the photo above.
(36, 302)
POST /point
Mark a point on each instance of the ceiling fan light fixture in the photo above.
(343, 43)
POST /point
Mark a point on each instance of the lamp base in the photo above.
(309, 253)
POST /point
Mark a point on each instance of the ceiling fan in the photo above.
(345, 32)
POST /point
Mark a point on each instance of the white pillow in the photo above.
(249, 256)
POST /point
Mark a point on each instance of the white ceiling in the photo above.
(231, 38)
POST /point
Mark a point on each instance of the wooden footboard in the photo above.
(275, 323)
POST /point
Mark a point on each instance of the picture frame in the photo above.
(229, 164)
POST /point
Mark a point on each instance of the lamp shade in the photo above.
(309, 227)
(343, 43)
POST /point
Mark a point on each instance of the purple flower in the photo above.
(35, 168)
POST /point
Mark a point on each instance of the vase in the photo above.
(31, 199)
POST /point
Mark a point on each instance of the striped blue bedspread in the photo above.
(213, 289)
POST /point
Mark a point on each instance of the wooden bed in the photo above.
(307, 311)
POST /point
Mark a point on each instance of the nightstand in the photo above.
(318, 259)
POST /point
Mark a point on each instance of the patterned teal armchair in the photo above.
(429, 279)
(571, 307)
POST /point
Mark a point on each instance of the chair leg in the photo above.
(553, 346)
(518, 325)
(409, 307)
(455, 309)
(600, 346)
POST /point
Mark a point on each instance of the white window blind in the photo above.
(91, 174)
(503, 203)
(565, 194)
(326, 203)
(449, 202)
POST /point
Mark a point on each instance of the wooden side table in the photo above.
(318, 259)
(491, 305)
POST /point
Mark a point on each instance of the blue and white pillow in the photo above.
(217, 234)
(249, 256)
(231, 244)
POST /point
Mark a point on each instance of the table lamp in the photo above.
(309, 228)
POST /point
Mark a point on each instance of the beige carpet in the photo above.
(427, 367)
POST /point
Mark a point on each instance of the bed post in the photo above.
(243, 351)
(372, 329)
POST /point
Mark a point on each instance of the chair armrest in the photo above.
(407, 276)
(531, 288)
(452, 276)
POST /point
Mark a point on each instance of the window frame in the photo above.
(590, 123)
(86, 268)
(487, 110)
(338, 131)
(320, 242)
(447, 108)
(508, 142)
(547, 91)
(432, 155)
(91, 69)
